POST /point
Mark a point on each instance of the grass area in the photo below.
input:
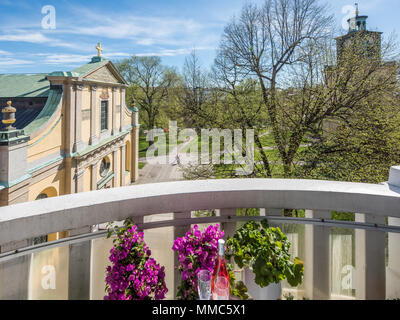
(144, 146)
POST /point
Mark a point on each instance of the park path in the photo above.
(162, 168)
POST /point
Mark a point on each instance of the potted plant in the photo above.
(196, 251)
(263, 252)
(134, 275)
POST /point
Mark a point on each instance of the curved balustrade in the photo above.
(76, 213)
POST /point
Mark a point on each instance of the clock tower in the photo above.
(367, 43)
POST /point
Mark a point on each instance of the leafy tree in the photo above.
(150, 84)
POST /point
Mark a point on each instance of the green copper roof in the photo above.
(24, 85)
(89, 67)
(51, 106)
(63, 74)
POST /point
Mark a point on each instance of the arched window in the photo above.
(105, 167)
(46, 193)
(42, 196)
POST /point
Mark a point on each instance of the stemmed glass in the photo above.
(204, 284)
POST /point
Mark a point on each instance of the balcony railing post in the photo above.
(273, 212)
(370, 260)
(393, 270)
(138, 220)
(179, 231)
(79, 267)
(317, 262)
(228, 227)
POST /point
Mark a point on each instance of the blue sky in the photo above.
(167, 28)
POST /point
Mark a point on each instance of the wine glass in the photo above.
(204, 284)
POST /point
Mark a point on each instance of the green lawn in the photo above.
(144, 145)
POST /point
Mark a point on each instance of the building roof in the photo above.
(89, 67)
(24, 85)
(37, 86)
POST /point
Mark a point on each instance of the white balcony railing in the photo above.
(373, 204)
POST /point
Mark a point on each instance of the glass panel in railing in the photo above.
(295, 234)
(160, 242)
(48, 274)
(14, 276)
(343, 280)
(393, 266)
(100, 255)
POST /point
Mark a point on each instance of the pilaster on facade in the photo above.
(70, 185)
(70, 110)
(122, 110)
(114, 129)
(134, 155)
(79, 180)
(94, 139)
(93, 175)
(123, 164)
(115, 167)
(78, 145)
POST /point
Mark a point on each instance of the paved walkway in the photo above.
(163, 168)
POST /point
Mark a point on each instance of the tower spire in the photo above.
(357, 11)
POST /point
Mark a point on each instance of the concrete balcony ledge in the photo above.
(32, 219)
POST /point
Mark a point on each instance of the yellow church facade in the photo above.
(66, 132)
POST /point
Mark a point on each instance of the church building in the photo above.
(66, 132)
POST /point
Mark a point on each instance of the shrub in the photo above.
(134, 275)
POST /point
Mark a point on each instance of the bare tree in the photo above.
(285, 45)
(194, 90)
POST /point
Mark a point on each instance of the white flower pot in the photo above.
(271, 292)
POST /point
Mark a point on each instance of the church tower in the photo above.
(358, 37)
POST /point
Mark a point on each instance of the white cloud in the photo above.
(141, 30)
(117, 54)
(64, 58)
(5, 53)
(13, 62)
(165, 53)
(34, 37)
(60, 59)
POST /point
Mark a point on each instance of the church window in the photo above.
(104, 115)
(104, 167)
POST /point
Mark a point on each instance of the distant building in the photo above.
(358, 35)
(66, 132)
(359, 45)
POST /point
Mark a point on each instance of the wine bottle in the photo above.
(220, 284)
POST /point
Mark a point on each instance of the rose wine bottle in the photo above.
(220, 285)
